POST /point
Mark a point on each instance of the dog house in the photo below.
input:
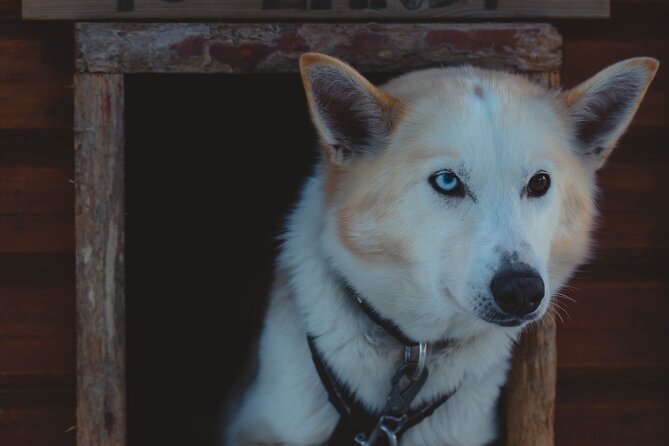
(161, 124)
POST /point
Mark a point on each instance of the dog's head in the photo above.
(458, 195)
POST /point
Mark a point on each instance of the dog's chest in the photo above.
(367, 365)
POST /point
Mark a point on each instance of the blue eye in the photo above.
(447, 183)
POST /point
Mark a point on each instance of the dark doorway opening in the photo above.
(214, 163)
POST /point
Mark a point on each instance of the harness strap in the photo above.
(388, 325)
(338, 400)
(354, 417)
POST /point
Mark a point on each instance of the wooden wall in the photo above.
(37, 324)
(613, 350)
(614, 355)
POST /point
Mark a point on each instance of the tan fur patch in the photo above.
(365, 203)
(375, 244)
(368, 222)
(333, 177)
(571, 244)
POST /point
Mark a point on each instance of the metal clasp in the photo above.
(410, 353)
(406, 383)
(388, 425)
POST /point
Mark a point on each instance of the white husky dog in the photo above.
(449, 206)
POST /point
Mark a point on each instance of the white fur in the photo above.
(495, 130)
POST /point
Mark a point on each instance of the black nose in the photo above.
(517, 292)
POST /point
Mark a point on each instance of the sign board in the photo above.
(341, 10)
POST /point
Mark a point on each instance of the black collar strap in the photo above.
(388, 325)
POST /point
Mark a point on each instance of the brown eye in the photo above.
(538, 185)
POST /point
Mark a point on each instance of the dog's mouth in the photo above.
(495, 316)
(503, 320)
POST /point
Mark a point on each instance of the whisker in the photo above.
(554, 309)
(565, 297)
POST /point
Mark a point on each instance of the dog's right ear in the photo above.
(351, 115)
(601, 108)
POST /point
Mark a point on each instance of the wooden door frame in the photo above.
(107, 52)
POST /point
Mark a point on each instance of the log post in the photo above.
(99, 145)
(530, 397)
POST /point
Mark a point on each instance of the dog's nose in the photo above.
(517, 292)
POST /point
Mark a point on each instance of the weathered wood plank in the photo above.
(37, 417)
(37, 269)
(35, 233)
(629, 230)
(631, 305)
(531, 384)
(38, 354)
(37, 323)
(626, 344)
(613, 414)
(641, 348)
(39, 190)
(35, 75)
(36, 148)
(531, 387)
(242, 48)
(316, 9)
(99, 155)
(33, 311)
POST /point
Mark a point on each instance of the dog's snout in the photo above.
(517, 292)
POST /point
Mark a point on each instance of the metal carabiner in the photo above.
(421, 360)
(392, 437)
(406, 383)
(382, 427)
(362, 440)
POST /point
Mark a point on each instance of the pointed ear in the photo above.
(602, 107)
(351, 115)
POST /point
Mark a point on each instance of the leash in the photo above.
(357, 425)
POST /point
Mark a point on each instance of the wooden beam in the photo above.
(244, 48)
(99, 154)
(378, 10)
(530, 390)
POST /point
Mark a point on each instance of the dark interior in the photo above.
(213, 165)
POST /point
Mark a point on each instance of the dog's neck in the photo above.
(388, 325)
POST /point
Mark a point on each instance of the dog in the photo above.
(448, 207)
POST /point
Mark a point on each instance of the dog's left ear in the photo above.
(351, 115)
(601, 108)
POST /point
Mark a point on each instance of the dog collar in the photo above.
(372, 313)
